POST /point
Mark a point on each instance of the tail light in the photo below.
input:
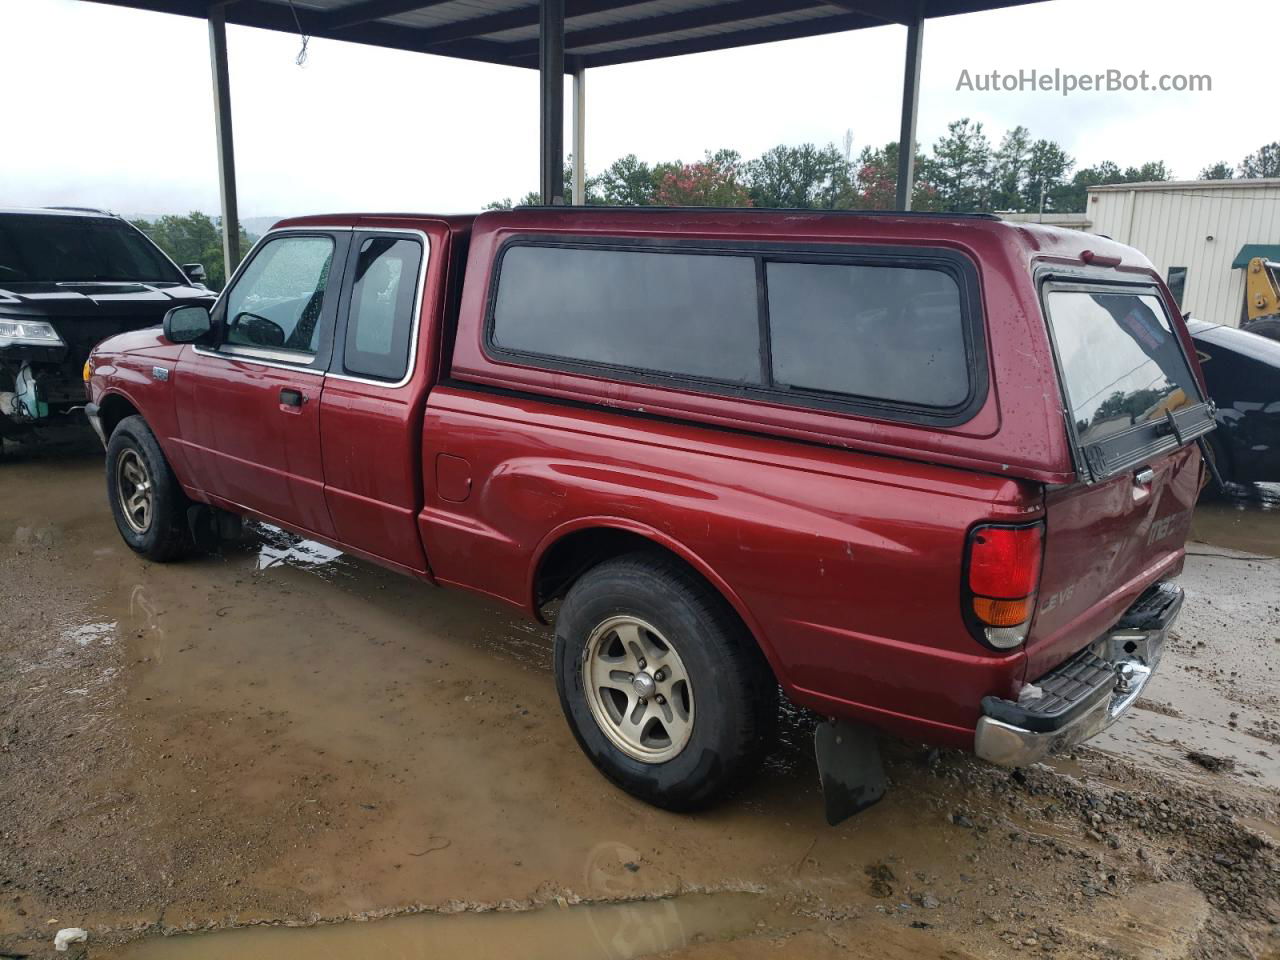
(1002, 574)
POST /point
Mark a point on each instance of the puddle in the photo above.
(1249, 522)
(609, 931)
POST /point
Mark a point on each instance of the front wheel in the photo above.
(664, 689)
(147, 502)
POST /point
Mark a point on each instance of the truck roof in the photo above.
(1033, 240)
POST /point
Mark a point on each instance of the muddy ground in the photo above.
(280, 738)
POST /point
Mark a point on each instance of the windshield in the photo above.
(40, 248)
(1121, 360)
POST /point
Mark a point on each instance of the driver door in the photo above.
(249, 407)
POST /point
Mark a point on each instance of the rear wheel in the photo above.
(664, 689)
(147, 502)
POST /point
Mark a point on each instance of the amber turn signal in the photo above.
(1002, 613)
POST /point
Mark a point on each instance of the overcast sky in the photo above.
(110, 107)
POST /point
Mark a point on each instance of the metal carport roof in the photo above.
(556, 36)
(597, 33)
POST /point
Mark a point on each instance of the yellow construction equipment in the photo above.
(1261, 290)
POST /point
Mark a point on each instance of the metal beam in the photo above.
(551, 87)
(720, 14)
(910, 109)
(222, 124)
(515, 19)
(729, 39)
(890, 11)
(580, 136)
(364, 11)
(279, 16)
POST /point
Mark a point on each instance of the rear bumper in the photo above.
(1086, 694)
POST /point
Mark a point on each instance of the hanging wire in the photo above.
(301, 58)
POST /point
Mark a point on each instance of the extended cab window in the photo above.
(788, 326)
(888, 333)
(275, 304)
(381, 317)
(667, 313)
(1121, 361)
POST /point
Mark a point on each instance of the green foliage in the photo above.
(627, 182)
(960, 168)
(961, 174)
(804, 177)
(195, 238)
(1009, 169)
(1218, 171)
(1263, 162)
(715, 182)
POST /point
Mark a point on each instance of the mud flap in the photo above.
(849, 765)
(210, 526)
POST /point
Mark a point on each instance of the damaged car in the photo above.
(70, 278)
(1242, 374)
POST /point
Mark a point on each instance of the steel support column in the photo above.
(910, 108)
(551, 84)
(580, 136)
(222, 124)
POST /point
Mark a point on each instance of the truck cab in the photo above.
(929, 474)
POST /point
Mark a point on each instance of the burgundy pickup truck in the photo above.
(930, 474)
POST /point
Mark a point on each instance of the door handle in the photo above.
(291, 397)
(1144, 477)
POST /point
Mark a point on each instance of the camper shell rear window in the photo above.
(1127, 383)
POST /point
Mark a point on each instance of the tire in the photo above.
(1265, 327)
(697, 737)
(134, 457)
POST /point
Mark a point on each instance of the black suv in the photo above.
(70, 278)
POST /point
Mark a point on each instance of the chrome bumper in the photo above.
(1118, 665)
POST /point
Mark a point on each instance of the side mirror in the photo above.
(187, 324)
(195, 273)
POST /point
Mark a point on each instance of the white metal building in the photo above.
(1196, 230)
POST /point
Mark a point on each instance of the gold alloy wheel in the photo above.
(134, 491)
(638, 689)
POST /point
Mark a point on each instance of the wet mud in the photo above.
(264, 747)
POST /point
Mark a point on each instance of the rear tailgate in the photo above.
(1136, 410)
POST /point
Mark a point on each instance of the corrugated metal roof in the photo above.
(597, 32)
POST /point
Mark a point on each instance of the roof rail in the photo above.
(659, 208)
(105, 213)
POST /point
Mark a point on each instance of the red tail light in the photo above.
(1003, 575)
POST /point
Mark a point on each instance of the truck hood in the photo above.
(134, 341)
(135, 301)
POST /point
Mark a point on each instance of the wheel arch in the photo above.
(114, 407)
(572, 549)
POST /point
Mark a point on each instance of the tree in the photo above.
(803, 177)
(960, 167)
(626, 182)
(1218, 171)
(876, 181)
(1154, 170)
(195, 238)
(1263, 162)
(1072, 197)
(1047, 168)
(715, 182)
(1009, 169)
